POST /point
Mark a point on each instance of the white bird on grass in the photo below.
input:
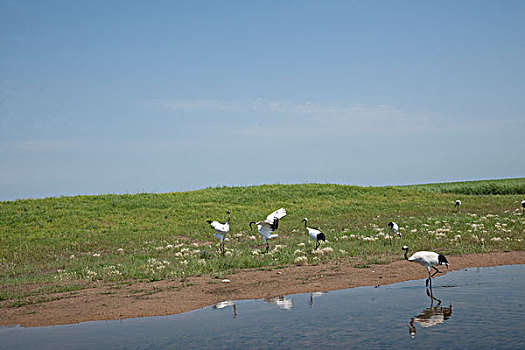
(458, 204)
(393, 230)
(266, 227)
(523, 206)
(428, 260)
(221, 230)
(314, 234)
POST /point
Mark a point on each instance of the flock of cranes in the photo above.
(266, 229)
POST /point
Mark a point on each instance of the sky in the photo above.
(160, 96)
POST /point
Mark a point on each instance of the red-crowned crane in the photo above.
(221, 230)
(428, 260)
(458, 204)
(523, 206)
(392, 226)
(266, 227)
(314, 234)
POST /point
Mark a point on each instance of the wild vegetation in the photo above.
(68, 243)
(485, 187)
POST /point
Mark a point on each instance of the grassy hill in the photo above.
(68, 243)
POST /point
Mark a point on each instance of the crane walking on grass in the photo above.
(458, 204)
(523, 206)
(314, 234)
(221, 230)
(428, 260)
(393, 230)
(266, 227)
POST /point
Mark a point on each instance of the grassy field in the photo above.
(63, 244)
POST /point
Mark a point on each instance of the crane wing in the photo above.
(219, 227)
(279, 213)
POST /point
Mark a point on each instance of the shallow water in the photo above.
(474, 308)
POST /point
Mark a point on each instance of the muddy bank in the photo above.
(171, 297)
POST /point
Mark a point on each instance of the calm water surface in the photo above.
(479, 308)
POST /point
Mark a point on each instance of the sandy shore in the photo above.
(171, 297)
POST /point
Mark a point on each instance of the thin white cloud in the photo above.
(267, 118)
(292, 117)
(199, 105)
(43, 145)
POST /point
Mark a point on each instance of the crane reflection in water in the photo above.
(315, 295)
(430, 316)
(282, 301)
(224, 304)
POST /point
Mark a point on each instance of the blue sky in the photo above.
(159, 96)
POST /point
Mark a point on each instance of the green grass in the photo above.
(69, 243)
(485, 187)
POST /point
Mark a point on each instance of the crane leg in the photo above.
(437, 271)
(429, 280)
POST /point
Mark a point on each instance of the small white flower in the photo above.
(300, 259)
(328, 250)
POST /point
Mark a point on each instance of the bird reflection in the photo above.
(431, 316)
(223, 304)
(315, 295)
(281, 301)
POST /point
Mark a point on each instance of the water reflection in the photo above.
(224, 304)
(430, 316)
(358, 318)
(284, 302)
(315, 295)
